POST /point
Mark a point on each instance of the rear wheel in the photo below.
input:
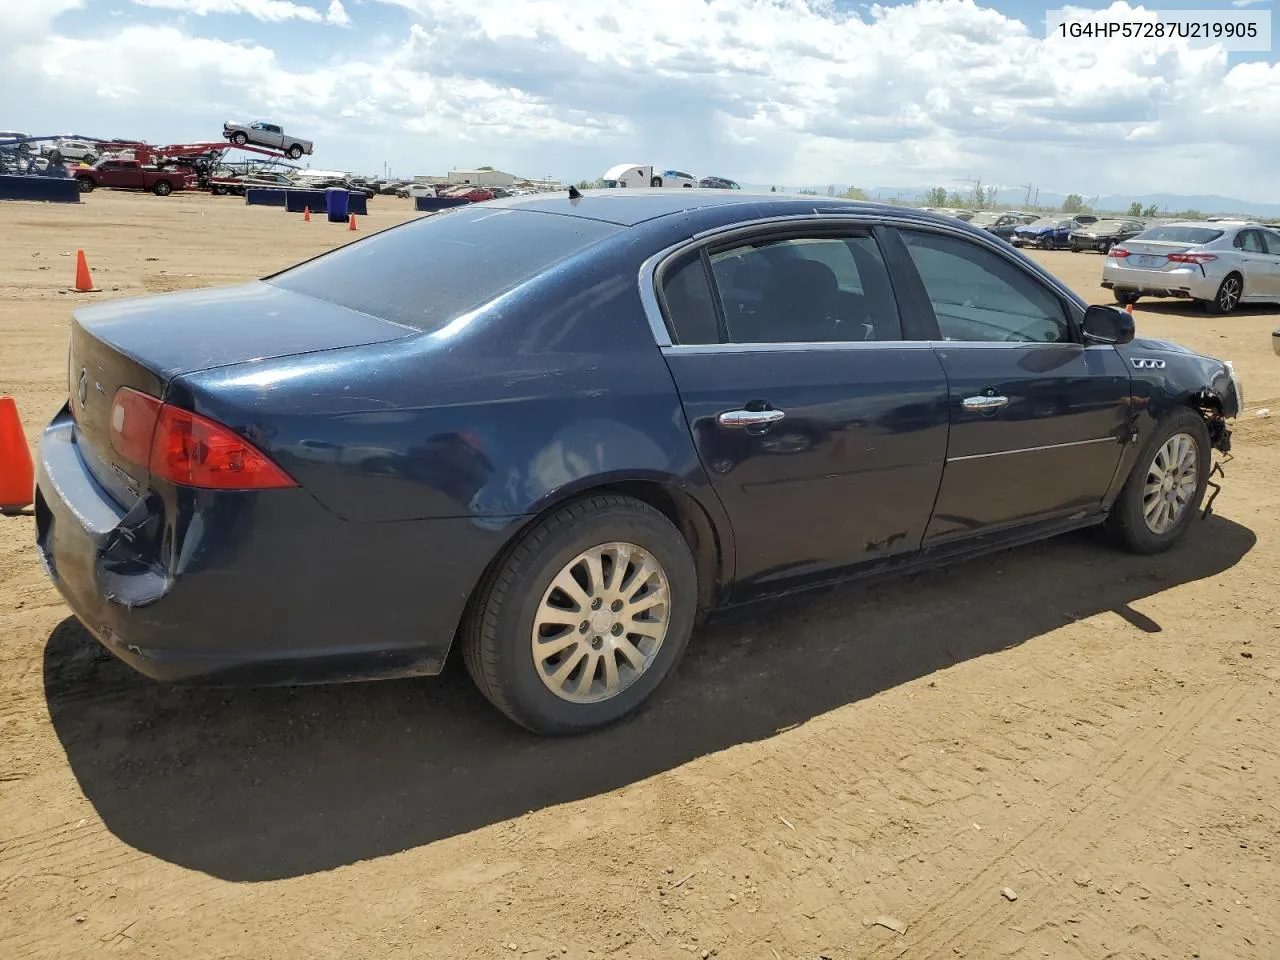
(1228, 296)
(1159, 500)
(584, 617)
(1126, 296)
(162, 188)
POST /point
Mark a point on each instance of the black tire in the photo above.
(498, 629)
(1126, 525)
(1075, 248)
(1105, 247)
(1228, 296)
(655, 182)
(217, 190)
(239, 139)
(86, 184)
(1126, 297)
(162, 188)
(295, 152)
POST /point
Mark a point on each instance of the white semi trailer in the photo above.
(642, 175)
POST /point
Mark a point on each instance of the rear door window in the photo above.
(429, 272)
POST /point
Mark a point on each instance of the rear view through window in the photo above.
(1181, 234)
(432, 271)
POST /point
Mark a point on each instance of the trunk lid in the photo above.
(145, 343)
(1153, 254)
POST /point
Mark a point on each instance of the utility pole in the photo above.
(1027, 187)
(976, 184)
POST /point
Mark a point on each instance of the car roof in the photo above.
(628, 207)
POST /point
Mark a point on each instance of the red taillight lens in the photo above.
(133, 423)
(186, 448)
(197, 452)
(1119, 252)
(1192, 257)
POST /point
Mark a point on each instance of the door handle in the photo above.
(984, 404)
(749, 418)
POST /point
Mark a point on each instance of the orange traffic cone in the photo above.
(351, 223)
(306, 214)
(17, 475)
(84, 282)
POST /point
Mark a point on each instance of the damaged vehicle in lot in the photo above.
(558, 429)
(1222, 264)
(1104, 234)
(1049, 233)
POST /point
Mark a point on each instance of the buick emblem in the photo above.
(83, 391)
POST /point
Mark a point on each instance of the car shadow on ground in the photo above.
(1176, 307)
(259, 784)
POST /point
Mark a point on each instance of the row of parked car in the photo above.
(1078, 232)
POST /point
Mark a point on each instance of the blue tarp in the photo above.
(264, 197)
(436, 204)
(48, 189)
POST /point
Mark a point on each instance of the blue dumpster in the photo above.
(336, 204)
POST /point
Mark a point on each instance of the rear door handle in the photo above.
(749, 418)
(984, 404)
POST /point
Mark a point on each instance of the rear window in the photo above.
(1181, 234)
(429, 272)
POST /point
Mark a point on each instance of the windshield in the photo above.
(1107, 226)
(432, 271)
(1181, 235)
(985, 219)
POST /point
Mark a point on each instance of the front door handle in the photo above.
(984, 404)
(749, 418)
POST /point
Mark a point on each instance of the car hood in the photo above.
(1030, 229)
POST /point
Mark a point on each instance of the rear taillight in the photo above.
(133, 424)
(188, 449)
(1192, 257)
(1119, 252)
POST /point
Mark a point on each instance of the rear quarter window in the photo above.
(429, 272)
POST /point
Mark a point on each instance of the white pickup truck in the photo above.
(263, 134)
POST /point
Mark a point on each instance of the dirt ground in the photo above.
(1095, 731)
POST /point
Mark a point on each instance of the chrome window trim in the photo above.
(649, 268)
(1048, 446)
(792, 346)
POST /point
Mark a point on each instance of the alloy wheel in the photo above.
(1229, 295)
(601, 622)
(1171, 483)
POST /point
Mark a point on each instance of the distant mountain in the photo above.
(1208, 204)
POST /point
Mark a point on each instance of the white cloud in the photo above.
(270, 11)
(759, 90)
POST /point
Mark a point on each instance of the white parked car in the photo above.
(81, 150)
(1221, 264)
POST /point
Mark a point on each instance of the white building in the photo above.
(482, 178)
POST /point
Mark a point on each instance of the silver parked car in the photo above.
(1222, 264)
(263, 134)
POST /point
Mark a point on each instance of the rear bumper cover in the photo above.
(241, 587)
(1183, 282)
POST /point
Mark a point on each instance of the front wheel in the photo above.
(655, 182)
(1160, 498)
(240, 139)
(584, 617)
(86, 184)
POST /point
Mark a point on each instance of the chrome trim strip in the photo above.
(866, 220)
(676, 349)
(1049, 446)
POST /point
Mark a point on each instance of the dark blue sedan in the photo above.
(558, 429)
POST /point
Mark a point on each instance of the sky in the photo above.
(761, 91)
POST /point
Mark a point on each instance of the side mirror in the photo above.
(1104, 324)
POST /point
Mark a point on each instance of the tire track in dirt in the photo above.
(1144, 761)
